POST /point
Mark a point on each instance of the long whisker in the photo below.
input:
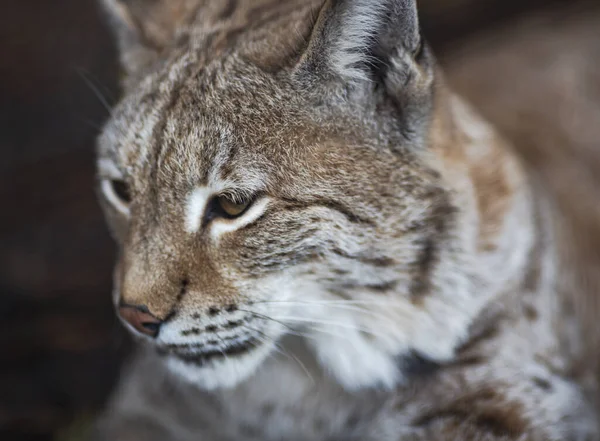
(291, 331)
(327, 302)
(95, 90)
(331, 323)
(224, 345)
(97, 127)
(281, 350)
(259, 315)
(339, 306)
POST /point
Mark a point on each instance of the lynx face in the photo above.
(290, 168)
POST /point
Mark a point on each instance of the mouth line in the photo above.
(201, 358)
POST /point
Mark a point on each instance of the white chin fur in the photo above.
(221, 373)
(356, 363)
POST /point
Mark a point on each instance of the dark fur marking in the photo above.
(427, 258)
(280, 261)
(487, 422)
(233, 324)
(483, 408)
(331, 205)
(542, 383)
(417, 365)
(374, 261)
(468, 361)
(182, 292)
(191, 331)
(183, 346)
(341, 294)
(201, 359)
(382, 287)
(376, 287)
(228, 10)
(339, 271)
(421, 284)
(489, 332)
(530, 313)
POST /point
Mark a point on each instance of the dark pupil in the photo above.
(214, 210)
(121, 190)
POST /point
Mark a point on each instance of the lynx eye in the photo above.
(121, 190)
(231, 208)
(117, 192)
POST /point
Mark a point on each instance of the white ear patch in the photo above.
(194, 208)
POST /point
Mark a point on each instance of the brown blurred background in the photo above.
(60, 345)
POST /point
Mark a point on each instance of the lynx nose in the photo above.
(140, 318)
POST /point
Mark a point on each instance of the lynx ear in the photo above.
(373, 41)
(352, 38)
(144, 27)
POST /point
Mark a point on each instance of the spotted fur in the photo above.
(381, 283)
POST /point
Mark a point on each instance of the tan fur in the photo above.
(398, 274)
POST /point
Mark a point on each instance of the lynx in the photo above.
(319, 240)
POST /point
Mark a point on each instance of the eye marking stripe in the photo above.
(195, 207)
(330, 205)
(108, 170)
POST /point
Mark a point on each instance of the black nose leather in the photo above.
(140, 318)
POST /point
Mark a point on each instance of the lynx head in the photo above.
(283, 167)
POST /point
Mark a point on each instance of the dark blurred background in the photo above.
(60, 346)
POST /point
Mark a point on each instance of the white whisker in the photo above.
(342, 307)
(331, 323)
(291, 331)
(265, 338)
